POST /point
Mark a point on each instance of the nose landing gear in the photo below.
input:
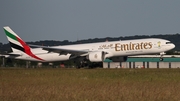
(161, 56)
(161, 59)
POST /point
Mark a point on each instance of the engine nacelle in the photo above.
(96, 56)
(119, 59)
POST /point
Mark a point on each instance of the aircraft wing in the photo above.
(62, 50)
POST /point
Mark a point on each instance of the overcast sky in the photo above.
(35, 20)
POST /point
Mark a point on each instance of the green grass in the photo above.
(55, 84)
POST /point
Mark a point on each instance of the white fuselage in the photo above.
(113, 49)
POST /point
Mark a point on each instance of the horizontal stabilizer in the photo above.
(9, 54)
(12, 54)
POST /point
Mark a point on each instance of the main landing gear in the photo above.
(81, 62)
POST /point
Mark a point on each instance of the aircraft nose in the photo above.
(173, 46)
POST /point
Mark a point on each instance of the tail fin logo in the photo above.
(18, 44)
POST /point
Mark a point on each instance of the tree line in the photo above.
(174, 38)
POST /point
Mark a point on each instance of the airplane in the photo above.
(117, 51)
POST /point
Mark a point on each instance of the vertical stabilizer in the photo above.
(15, 41)
(17, 44)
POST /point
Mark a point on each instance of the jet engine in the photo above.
(96, 56)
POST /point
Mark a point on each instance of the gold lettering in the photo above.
(117, 47)
(150, 44)
(130, 46)
(111, 45)
(133, 46)
(125, 47)
(104, 46)
(145, 45)
(142, 45)
(137, 46)
(122, 48)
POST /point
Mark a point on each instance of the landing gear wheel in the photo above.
(161, 59)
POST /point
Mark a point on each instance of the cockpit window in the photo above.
(168, 43)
